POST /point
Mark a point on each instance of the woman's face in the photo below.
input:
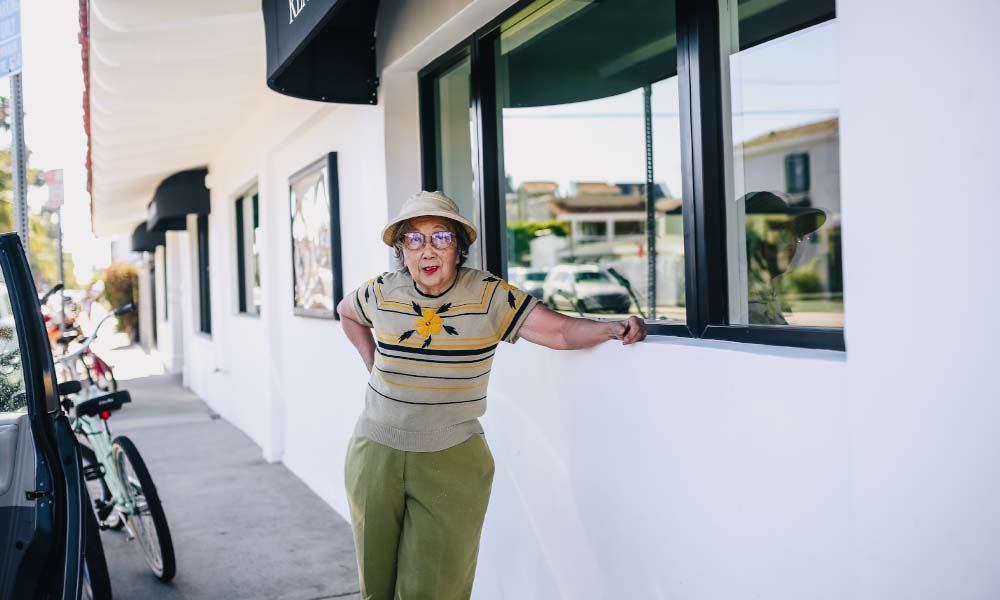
(433, 269)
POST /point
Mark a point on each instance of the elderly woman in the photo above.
(418, 470)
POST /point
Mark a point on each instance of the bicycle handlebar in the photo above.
(47, 294)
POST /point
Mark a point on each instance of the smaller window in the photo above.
(248, 253)
(314, 198)
(166, 301)
(629, 228)
(797, 173)
(204, 293)
(152, 297)
(593, 229)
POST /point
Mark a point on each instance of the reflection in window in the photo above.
(783, 171)
(591, 155)
(453, 125)
(312, 265)
(12, 391)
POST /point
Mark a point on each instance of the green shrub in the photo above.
(804, 281)
(521, 233)
(121, 286)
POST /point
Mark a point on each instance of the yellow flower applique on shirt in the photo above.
(429, 323)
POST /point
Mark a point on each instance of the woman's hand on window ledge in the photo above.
(554, 330)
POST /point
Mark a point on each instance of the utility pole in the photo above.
(647, 97)
(18, 164)
(10, 65)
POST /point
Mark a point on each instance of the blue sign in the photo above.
(10, 37)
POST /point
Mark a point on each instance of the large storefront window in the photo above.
(782, 169)
(591, 156)
(619, 167)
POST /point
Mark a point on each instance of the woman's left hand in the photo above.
(629, 331)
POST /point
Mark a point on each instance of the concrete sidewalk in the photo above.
(242, 528)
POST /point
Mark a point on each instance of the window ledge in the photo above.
(749, 347)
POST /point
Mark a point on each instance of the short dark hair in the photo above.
(461, 236)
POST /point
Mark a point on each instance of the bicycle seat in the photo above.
(105, 402)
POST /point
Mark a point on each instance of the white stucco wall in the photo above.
(170, 295)
(919, 154)
(280, 377)
(678, 468)
(144, 308)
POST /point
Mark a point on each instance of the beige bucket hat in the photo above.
(427, 204)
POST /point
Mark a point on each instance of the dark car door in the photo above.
(40, 485)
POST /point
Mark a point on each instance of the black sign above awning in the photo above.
(144, 240)
(176, 197)
(322, 49)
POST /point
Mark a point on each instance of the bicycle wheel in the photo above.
(96, 581)
(148, 523)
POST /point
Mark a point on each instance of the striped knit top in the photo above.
(433, 356)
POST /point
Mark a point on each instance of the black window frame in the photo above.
(699, 75)
(241, 289)
(253, 195)
(166, 302)
(329, 161)
(793, 184)
(204, 279)
(152, 298)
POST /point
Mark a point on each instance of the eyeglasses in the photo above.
(414, 240)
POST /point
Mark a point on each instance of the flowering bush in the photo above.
(121, 286)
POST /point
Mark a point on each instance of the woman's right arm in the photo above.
(356, 331)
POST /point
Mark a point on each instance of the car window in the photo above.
(12, 396)
(593, 276)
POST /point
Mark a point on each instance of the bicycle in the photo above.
(96, 584)
(97, 370)
(130, 499)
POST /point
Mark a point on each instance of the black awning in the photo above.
(176, 197)
(144, 240)
(322, 49)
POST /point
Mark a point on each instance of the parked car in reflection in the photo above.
(584, 288)
(527, 279)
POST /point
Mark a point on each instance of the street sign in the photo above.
(10, 37)
(54, 181)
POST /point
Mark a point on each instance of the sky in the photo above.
(52, 80)
(779, 84)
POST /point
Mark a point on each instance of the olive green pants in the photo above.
(417, 518)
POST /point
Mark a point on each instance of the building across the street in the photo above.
(797, 195)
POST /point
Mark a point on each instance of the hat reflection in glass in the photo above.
(774, 230)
